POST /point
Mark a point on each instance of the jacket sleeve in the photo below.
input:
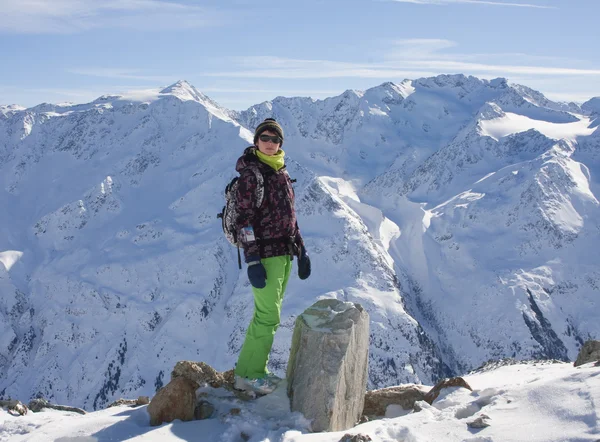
(247, 211)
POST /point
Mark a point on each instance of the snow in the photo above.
(512, 123)
(317, 317)
(141, 95)
(462, 248)
(9, 258)
(537, 402)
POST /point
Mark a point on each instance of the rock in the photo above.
(122, 401)
(376, 401)
(590, 352)
(39, 404)
(204, 410)
(480, 422)
(355, 438)
(228, 378)
(141, 400)
(421, 405)
(14, 407)
(176, 400)
(199, 372)
(445, 383)
(327, 369)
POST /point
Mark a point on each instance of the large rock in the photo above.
(590, 352)
(39, 404)
(327, 369)
(176, 400)
(199, 372)
(377, 401)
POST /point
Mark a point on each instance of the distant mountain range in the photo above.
(462, 213)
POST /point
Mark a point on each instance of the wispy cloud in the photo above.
(474, 2)
(393, 67)
(123, 73)
(71, 16)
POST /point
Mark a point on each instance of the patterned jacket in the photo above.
(275, 227)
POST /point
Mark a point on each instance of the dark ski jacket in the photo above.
(275, 227)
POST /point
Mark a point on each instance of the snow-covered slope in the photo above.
(122, 269)
(462, 213)
(536, 402)
(592, 106)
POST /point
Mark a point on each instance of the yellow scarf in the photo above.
(275, 161)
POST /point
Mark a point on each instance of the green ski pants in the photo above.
(252, 362)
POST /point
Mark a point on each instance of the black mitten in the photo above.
(257, 273)
(303, 264)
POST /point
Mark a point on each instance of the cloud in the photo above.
(473, 2)
(393, 67)
(418, 47)
(123, 73)
(72, 16)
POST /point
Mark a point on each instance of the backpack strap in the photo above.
(260, 184)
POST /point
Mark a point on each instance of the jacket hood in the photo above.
(248, 157)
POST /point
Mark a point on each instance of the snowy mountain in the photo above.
(461, 213)
(592, 106)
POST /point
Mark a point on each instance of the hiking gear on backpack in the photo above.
(257, 273)
(303, 264)
(229, 213)
(254, 355)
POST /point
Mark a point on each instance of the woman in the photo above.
(270, 238)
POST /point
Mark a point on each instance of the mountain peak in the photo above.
(392, 91)
(10, 109)
(592, 106)
(184, 91)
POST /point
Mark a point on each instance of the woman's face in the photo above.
(266, 143)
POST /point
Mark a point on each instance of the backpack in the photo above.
(229, 212)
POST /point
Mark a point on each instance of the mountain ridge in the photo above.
(446, 206)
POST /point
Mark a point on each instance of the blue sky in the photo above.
(242, 52)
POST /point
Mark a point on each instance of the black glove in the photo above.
(256, 272)
(303, 264)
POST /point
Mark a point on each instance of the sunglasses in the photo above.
(273, 139)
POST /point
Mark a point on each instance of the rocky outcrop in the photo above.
(376, 401)
(39, 404)
(445, 383)
(327, 369)
(176, 400)
(141, 400)
(14, 407)
(590, 352)
(199, 372)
